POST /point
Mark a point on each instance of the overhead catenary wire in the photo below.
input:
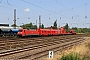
(62, 5)
(12, 8)
(46, 4)
(52, 12)
(19, 9)
(0, 1)
(44, 8)
(85, 10)
(34, 5)
(8, 2)
(72, 15)
(74, 8)
(66, 8)
(71, 9)
(41, 7)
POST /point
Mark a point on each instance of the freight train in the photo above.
(8, 31)
(44, 32)
(21, 32)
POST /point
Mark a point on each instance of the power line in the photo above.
(8, 2)
(85, 10)
(19, 9)
(11, 8)
(41, 7)
(62, 5)
(65, 7)
(75, 7)
(45, 4)
(0, 1)
(72, 7)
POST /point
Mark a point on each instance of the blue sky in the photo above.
(50, 10)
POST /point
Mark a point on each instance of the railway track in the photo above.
(13, 43)
(39, 50)
(23, 42)
(44, 52)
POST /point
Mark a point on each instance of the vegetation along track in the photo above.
(41, 46)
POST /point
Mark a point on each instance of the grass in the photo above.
(78, 56)
(85, 57)
(88, 45)
(73, 56)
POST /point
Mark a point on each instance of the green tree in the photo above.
(81, 30)
(34, 26)
(42, 26)
(55, 25)
(29, 26)
(66, 27)
(13, 25)
(75, 29)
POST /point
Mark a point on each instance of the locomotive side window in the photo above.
(42, 31)
(52, 31)
(24, 30)
(45, 31)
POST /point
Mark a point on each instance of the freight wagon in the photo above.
(10, 31)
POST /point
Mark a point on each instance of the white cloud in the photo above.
(27, 10)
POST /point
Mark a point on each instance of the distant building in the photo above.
(4, 25)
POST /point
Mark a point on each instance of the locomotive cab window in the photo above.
(20, 30)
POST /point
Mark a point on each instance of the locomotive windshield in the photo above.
(20, 30)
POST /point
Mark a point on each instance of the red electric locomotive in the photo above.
(25, 32)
